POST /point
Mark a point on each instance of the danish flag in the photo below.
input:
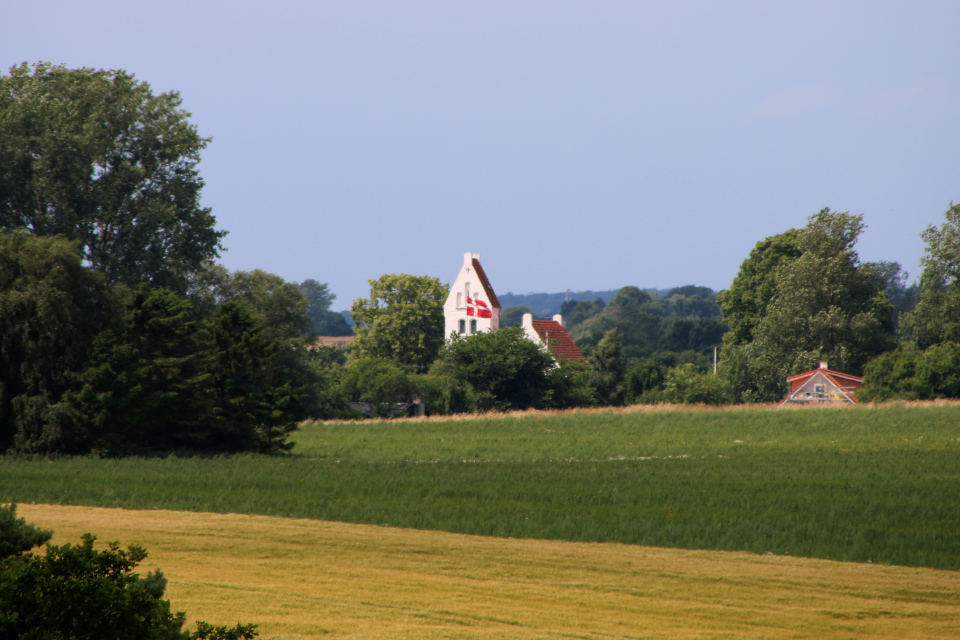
(482, 310)
(478, 308)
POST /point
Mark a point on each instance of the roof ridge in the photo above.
(485, 283)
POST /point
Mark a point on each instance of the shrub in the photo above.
(378, 382)
(908, 374)
(80, 593)
(504, 368)
(686, 385)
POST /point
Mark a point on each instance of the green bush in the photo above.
(686, 385)
(378, 382)
(80, 593)
(442, 394)
(909, 374)
(504, 368)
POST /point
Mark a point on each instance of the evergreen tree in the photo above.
(51, 307)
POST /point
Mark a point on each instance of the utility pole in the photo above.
(714, 360)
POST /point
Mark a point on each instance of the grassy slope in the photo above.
(878, 485)
(312, 579)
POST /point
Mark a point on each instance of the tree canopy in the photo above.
(402, 320)
(826, 305)
(744, 304)
(936, 318)
(51, 307)
(325, 322)
(94, 156)
(507, 370)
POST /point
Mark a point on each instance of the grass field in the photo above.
(866, 484)
(312, 579)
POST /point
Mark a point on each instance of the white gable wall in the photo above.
(467, 285)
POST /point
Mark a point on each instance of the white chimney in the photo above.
(823, 365)
(558, 319)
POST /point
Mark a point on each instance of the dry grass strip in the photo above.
(658, 408)
(313, 579)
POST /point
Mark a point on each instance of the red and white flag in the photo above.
(471, 309)
(482, 310)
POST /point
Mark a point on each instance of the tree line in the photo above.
(119, 333)
(801, 297)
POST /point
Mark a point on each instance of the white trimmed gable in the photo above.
(471, 298)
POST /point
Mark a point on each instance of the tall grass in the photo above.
(868, 485)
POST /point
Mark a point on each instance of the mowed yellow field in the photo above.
(315, 579)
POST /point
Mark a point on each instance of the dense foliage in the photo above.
(325, 322)
(686, 319)
(936, 318)
(78, 592)
(825, 306)
(117, 332)
(94, 156)
(503, 369)
(50, 309)
(912, 374)
(402, 320)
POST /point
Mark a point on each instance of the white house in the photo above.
(472, 305)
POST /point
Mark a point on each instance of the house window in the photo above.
(463, 326)
(459, 301)
(473, 326)
(820, 391)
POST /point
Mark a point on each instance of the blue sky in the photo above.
(582, 145)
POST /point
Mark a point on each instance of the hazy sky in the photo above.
(584, 145)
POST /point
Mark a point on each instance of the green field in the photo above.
(863, 484)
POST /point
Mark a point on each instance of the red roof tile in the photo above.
(486, 284)
(559, 342)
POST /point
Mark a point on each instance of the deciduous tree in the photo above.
(78, 592)
(744, 304)
(826, 306)
(936, 318)
(402, 320)
(505, 368)
(319, 298)
(94, 156)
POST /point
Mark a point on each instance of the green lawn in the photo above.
(864, 484)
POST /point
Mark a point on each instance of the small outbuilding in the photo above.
(552, 335)
(821, 385)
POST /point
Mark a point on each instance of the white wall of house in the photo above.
(467, 285)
